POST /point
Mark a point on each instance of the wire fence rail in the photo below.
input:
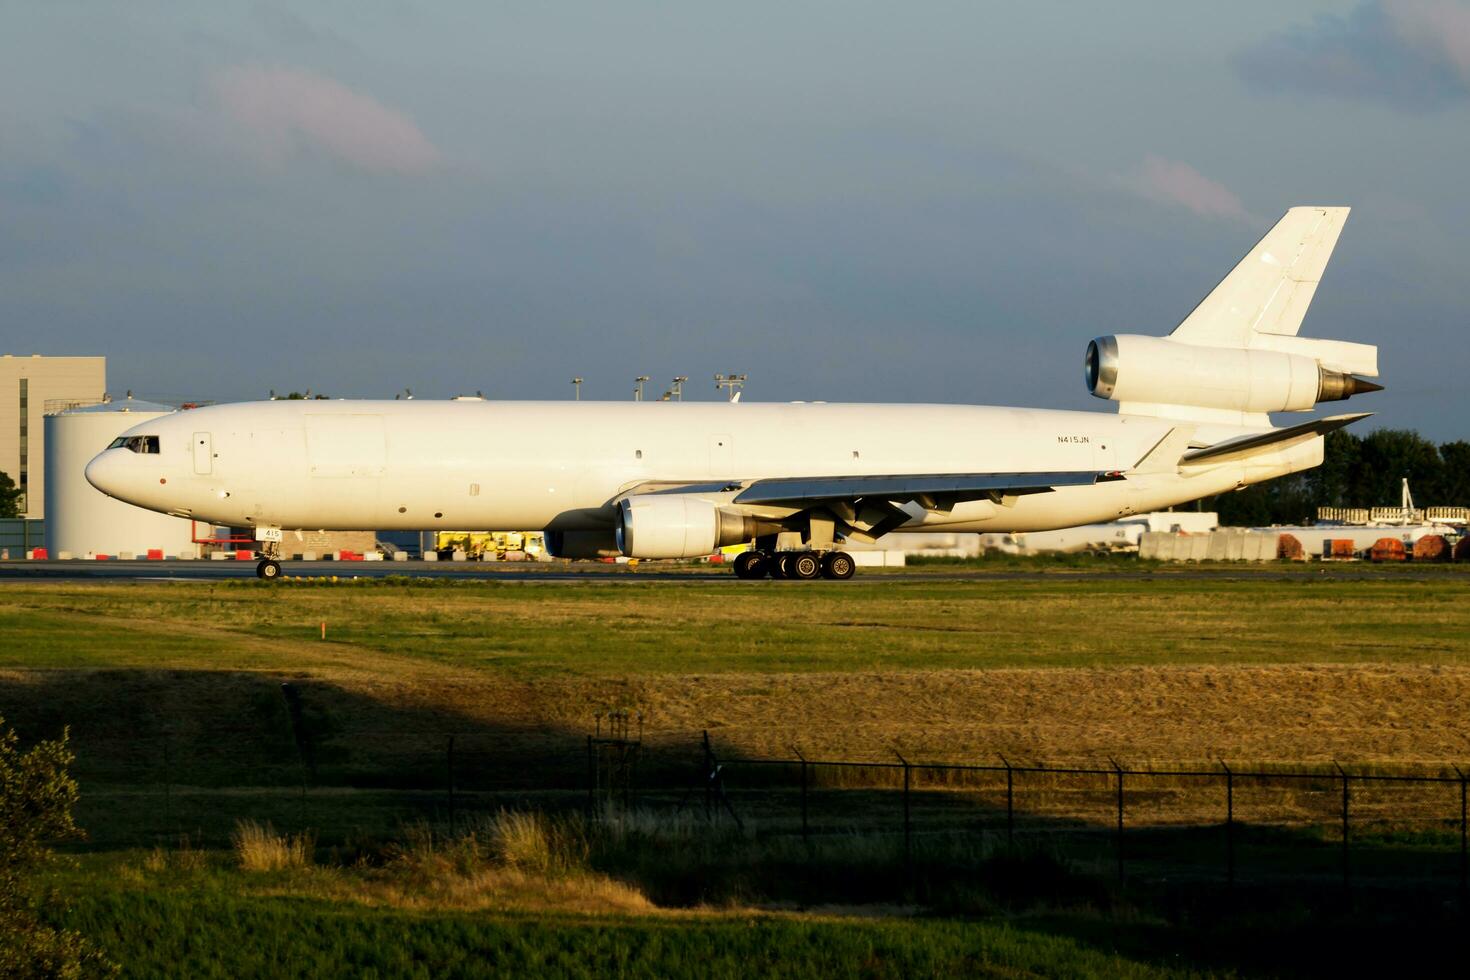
(1349, 822)
(1444, 812)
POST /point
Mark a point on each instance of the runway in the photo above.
(598, 572)
(215, 571)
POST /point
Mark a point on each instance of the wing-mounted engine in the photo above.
(1237, 356)
(681, 525)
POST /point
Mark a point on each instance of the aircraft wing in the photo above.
(954, 487)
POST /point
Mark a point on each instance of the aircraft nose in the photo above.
(103, 472)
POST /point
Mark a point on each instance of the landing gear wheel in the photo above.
(782, 567)
(751, 564)
(805, 565)
(268, 569)
(838, 565)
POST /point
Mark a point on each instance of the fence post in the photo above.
(449, 771)
(709, 775)
(591, 780)
(805, 830)
(1347, 882)
(1229, 826)
(1119, 770)
(1464, 852)
(168, 775)
(1010, 803)
(907, 826)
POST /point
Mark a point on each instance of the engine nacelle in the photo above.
(678, 526)
(582, 544)
(1156, 371)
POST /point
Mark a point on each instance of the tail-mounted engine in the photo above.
(1155, 374)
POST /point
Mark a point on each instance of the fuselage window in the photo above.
(139, 444)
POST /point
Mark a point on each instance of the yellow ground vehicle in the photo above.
(491, 545)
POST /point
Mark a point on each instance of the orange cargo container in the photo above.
(1432, 547)
(1388, 549)
(1289, 548)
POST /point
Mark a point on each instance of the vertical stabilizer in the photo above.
(1269, 291)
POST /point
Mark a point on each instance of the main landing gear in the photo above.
(804, 565)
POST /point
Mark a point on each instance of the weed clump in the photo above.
(259, 848)
(183, 858)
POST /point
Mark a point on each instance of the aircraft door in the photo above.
(203, 453)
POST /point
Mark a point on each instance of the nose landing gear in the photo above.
(269, 567)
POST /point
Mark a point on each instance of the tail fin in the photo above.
(1261, 304)
(1270, 289)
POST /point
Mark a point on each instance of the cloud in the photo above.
(283, 112)
(1171, 182)
(1410, 53)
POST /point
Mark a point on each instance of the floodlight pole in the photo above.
(733, 382)
(577, 387)
(678, 389)
(638, 387)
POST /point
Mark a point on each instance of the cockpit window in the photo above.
(136, 444)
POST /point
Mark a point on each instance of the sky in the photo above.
(847, 201)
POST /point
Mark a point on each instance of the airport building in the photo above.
(29, 388)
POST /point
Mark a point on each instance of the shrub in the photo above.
(36, 799)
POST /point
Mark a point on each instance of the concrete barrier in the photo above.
(878, 559)
(1216, 546)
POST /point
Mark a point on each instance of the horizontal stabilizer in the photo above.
(1164, 457)
(1250, 445)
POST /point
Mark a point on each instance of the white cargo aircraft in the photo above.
(682, 479)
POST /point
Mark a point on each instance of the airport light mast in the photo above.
(638, 383)
(734, 382)
(577, 387)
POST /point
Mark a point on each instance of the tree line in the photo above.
(1356, 471)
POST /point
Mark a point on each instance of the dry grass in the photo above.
(184, 857)
(511, 860)
(1262, 668)
(259, 848)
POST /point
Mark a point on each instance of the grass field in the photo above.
(172, 694)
